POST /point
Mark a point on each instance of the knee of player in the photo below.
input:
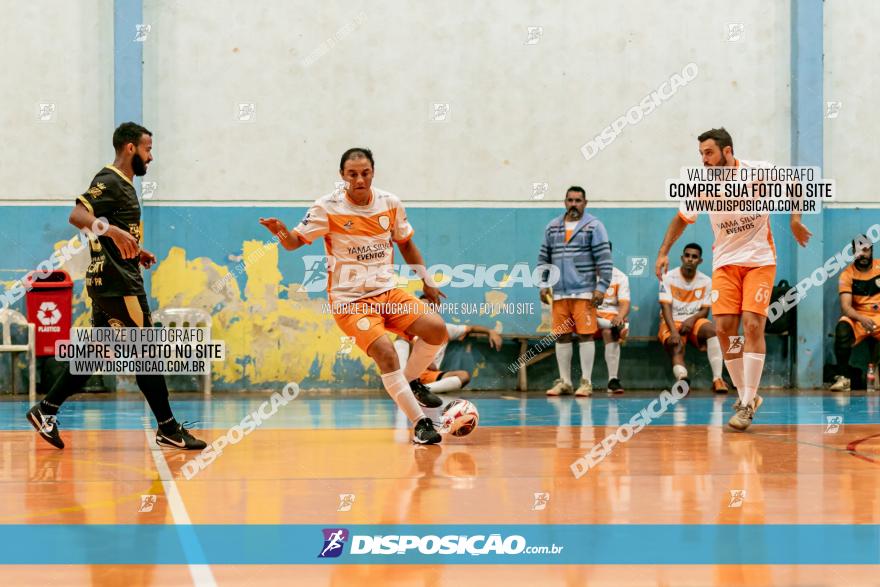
(564, 338)
(382, 351)
(465, 377)
(436, 333)
(753, 327)
(844, 334)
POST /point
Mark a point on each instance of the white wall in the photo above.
(851, 49)
(519, 113)
(58, 52)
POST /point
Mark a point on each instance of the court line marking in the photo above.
(201, 573)
(851, 448)
(823, 446)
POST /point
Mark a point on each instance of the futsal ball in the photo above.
(460, 417)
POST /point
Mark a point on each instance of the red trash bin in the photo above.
(50, 308)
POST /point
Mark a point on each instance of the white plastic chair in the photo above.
(8, 318)
(187, 318)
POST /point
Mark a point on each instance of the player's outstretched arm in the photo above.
(413, 256)
(289, 241)
(801, 233)
(673, 233)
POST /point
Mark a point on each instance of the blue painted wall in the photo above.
(451, 236)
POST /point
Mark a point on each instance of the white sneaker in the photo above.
(585, 389)
(841, 383)
(560, 387)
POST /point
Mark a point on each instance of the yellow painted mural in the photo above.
(269, 336)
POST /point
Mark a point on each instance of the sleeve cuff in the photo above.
(301, 238)
(407, 239)
(86, 203)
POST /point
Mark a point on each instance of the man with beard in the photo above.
(577, 244)
(859, 288)
(684, 308)
(114, 282)
(743, 270)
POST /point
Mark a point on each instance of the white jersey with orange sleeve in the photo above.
(617, 292)
(687, 297)
(359, 241)
(740, 239)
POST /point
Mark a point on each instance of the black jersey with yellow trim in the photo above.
(111, 195)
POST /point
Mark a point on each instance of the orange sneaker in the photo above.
(719, 386)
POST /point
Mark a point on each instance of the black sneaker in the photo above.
(46, 425)
(180, 439)
(425, 433)
(424, 396)
(686, 384)
(614, 386)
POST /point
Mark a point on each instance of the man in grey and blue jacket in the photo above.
(576, 243)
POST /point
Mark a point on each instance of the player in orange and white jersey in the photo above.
(684, 309)
(360, 226)
(743, 270)
(611, 319)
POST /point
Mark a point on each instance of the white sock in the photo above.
(421, 356)
(735, 369)
(563, 359)
(612, 359)
(679, 372)
(587, 351)
(445, 384)
(716, 358)
(398, 388)
(401, 347)
(753, 366)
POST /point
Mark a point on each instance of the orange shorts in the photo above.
(603, 320)
(368, 319)
(606, 315)
(664, 332)
(573, 315)
(859, 330)
(737, 289)
(430, 376)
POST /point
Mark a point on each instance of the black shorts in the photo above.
(121, 311)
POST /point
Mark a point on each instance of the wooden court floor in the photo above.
(808, 460)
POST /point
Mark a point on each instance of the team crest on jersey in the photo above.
(96, 190)
(877, 282)
(116, 323)
(699, 293)
(384, 222)
(348, 225)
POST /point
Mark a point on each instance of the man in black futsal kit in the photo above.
(114, 282)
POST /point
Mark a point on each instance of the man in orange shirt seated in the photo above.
(685, 299)
(859, 287)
